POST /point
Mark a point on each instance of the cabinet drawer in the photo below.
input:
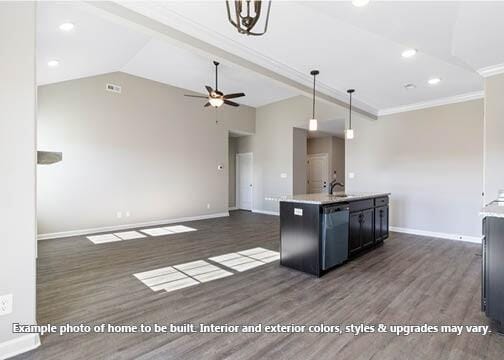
(360, 205)
(381, 201)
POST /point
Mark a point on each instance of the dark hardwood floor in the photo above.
(409, 280)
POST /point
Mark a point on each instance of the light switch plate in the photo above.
(351, 175)
(5, 304)
(283, 175)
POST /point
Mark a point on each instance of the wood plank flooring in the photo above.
(411, 279)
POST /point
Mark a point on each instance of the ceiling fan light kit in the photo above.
(244, 15)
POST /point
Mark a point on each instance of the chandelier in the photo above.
(246, 15)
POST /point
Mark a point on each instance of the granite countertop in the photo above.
(325, 198)
(494, 209)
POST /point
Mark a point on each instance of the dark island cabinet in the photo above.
(368, 225)
(381, 223)
(361, 231)
(354, 233)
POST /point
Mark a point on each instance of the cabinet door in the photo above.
(354, 233)
(367, 228)
(381, 223)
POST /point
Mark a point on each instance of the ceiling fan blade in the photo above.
(209, 89)
(232, 96)
(207, 104)
(232, 103)
(197, 96)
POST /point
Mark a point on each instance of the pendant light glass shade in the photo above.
(313, 124)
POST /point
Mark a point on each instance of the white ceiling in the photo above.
(352, 47)
(359, 47)
(98, 45)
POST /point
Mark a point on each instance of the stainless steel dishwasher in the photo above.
(334, 235)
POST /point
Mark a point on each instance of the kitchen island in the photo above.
(321, 231)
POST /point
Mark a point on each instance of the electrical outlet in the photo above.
(208, 206)
(5, 304)
(119, 214)
(127, 214)
(351, 175)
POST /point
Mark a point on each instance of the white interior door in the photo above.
(318, 169)
(244, 181)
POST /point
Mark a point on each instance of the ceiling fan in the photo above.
(215, 97)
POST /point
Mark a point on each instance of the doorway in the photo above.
(317, 173)
(244, 181)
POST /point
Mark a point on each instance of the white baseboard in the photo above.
(233, 208)
(128, 226)
(19, 345)
(472, 239)
(266, 212)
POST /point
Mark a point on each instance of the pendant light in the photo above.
(313, 125)
(349, 133)
(244, 15)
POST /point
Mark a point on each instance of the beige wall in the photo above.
(338, 160)
(149, 150)
(272, 145)
(17, 171)
(494, 131)
(431, 160)
(335, 148)
(299, 144)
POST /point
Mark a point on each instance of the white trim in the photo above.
(128, 226)
(472, 239)
(266, 212)
(491, 70)
(19, 345)
(233, 208)
(432, 103)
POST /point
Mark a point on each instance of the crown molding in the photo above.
(432, 103)
(491, 70)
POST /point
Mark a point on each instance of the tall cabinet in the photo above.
(492, 281)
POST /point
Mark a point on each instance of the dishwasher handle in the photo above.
(331, 209)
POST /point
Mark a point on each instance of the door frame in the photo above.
(237, 178)
(308, 158)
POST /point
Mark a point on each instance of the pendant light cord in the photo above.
(350, 110)
(350, 92)
(313, 115)
(216, 78)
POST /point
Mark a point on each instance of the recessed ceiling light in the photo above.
(360, 3)
(409, 86)
(408, 53)
(434, 81)
(67, 26)
(53, 63)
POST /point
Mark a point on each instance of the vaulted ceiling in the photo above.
(98, 45)
(352, 47)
